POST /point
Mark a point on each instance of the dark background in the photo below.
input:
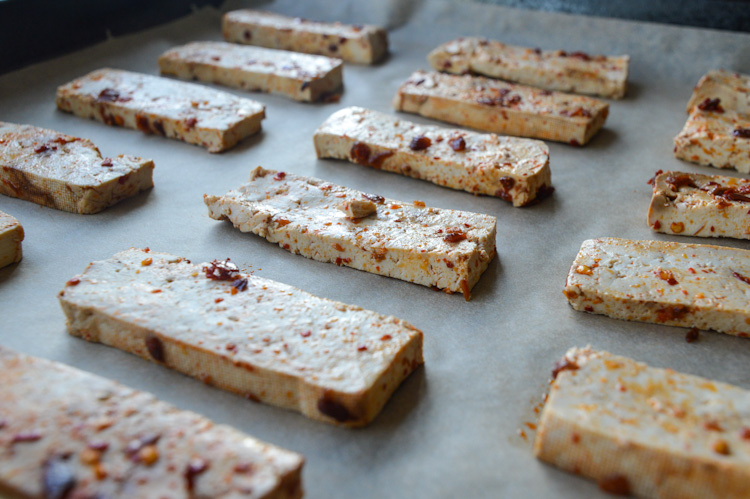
(34, 30)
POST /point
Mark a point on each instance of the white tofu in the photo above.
(516, 170)
(575, 72)
(732, 89)
(11, 235)
(691, 204)
(645, 431)
(300, 77)
(501, 107)
(352, 43)
(715, 137)
(66, 433)
(689, 285)
(192, 113)
(446, 249)
(261, 339)
(65, 172)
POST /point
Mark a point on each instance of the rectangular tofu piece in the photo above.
(645, 431)
(352, 43)
(300, 77)
(691, 204)
(261, 339)
(575, 72)
(501, 107)
(516, 170)
(715, 136)
(65, 172)
(65, 433)
(732, 90)
(185, 111)
(688, 285)
(447, 249)
(11, 235)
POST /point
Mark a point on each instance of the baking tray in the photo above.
(452, 429)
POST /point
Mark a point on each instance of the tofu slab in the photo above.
(352, 43)
(65, 433)
(732, 89)
(689, 285)
(447, 249)
(501, 107)
(65, 172)
(691, 204)
(575, 72)
(516, 170)
(300, 77)
(11, 235)
(261, 339)
(154, 105)
(718, 138)
(645, 431)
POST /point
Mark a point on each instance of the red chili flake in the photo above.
(190, 123)
(240, 284)
(666, 275)
(581, 112)
(40, 149)
(374, 198)
(677, 181)
(334, 409)
(507, 183)
(221, 270)
(26, 436)
(671, 313)
(420, 143)
(652, 180)
(458, 144)
(692, 335)
(361, 348)
(615, 484)
(305, 334)
(279, 176)
(231, 347)
(711, 105)
(155, 348)
(108, 95)
(454, 235)
(360, 153)
(580, 55)
(449, 265)
(465, 289)
(386, 337)
(743, 133)
(563, 364)
(741, 277)
(376, 160)
(73, 282)
(745, 433)
(142, 123)
(218, 300)
(107, 162)
(338, 247)
(195, 467)
(243, 467)
(147, 262)
(712, 425)
(98, 445)
(657, 225)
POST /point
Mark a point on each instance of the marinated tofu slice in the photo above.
(261, 339)
(575, 72)
(447, 249)
(11, 235)
(184, 111)
(645, 431)
(715, 136)
(65, 172)
(516, 170)
(732, 89)
(688, 285)
(691, 204)
(501, 107)
(300, 77)
(352, 43)
(66, 433)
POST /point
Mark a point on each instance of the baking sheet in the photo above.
(452, 428)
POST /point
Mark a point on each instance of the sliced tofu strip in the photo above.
(645, 431)
(689, 285)
(184, 111)
(575, 72)
(352, 43)
(65, 172)
(11, 235)
(516, 170)
(715, 136)
(68, 433)
(691, 204)
(447, 249)
(501, 107)
(264, 340)
(300, 77)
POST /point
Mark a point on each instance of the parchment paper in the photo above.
(451, 429)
